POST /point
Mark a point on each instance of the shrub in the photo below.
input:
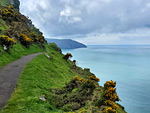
(111, 104)
(25, 40)
(41, 39)
(71, 107)
(6, 41)
(86, 69)
(7, 13)
(109, 110)
(89, 85)
(55, 47)
(93, 77)
(109, 84)
(110, 91)
(67, 56)
(74, 61)
(109, 97)
(10, 7)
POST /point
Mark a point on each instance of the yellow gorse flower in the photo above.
(7, 41)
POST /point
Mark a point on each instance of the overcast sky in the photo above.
(92, 21)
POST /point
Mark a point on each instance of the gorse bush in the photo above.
(26, 41)
(109, 110)
(6, 41)
(67, 56)
(109, 97)
(110, 91)
(111, 104)
(109, 84)
(86, 69)
(93, 77)
(21, 28)
(8, 14)
(37, 38)
(74, 95)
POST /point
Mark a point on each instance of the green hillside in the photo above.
(4, 3)
(51, 76)
(18, 36)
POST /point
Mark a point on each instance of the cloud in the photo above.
(68, 15)
(132, 37)
(81, 18)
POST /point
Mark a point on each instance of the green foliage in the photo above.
(4, 3)
(74, 95)
(55, 47)
(71, 107)
(3, 26)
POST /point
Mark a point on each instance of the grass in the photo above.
(37, 78)
(16, 52)
(4, 2)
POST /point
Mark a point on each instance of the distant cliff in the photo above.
(66, 43)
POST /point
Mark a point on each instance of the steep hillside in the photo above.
(56, 85)
(66, 43)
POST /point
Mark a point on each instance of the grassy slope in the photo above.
(38, 76)
(3, 26)
(4, 3)
(16, 52)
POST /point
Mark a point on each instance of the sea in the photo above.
(128, 65)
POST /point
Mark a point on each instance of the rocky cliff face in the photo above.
(15, 3)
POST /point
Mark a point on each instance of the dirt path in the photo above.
(9, 76)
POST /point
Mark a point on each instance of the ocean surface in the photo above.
(129, 66)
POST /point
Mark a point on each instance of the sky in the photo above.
(96, 22)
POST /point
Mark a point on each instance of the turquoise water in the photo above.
(129, 66)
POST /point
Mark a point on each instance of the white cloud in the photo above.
(70, 16)
(65, 18)
(133, 37)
